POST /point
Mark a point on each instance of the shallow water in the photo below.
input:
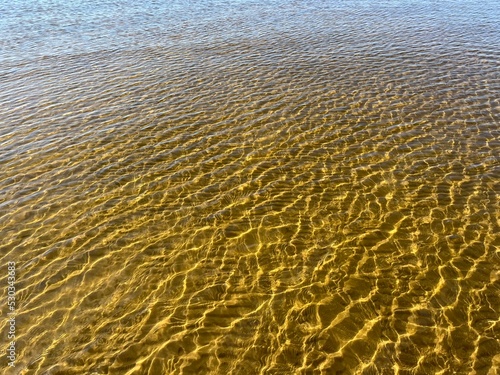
(251, 187)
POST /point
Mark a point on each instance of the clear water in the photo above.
(251, 187)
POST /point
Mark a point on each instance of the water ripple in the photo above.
(277, 187)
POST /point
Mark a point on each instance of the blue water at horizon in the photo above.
(33, 29)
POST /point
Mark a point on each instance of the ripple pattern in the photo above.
(300, 188)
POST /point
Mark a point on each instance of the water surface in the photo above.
(251, 187)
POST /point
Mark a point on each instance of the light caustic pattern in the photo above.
(317, 201)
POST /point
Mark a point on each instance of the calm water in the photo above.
(251, 187)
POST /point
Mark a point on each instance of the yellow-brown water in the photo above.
(251, 187)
